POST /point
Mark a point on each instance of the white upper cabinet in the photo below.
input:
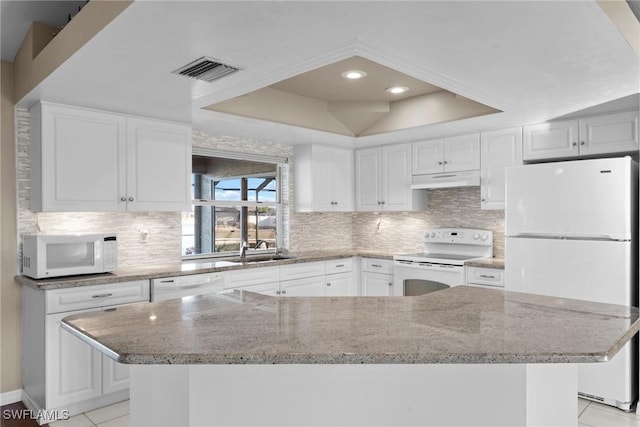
(499, 149)
(454, 154)
(88, 160)
(383, 180)
(75, 159)
(369, 171)
(611, 133)
(323, 179)
(158, 166)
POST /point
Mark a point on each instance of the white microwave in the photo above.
(55, 255)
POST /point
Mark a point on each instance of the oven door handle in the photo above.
(426, 266)
(411, 264)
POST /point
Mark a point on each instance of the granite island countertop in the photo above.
(196, 266)
(457, 325)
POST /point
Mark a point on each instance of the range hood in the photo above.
(446, 180)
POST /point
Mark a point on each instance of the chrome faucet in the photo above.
(243, 250)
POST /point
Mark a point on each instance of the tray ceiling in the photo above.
(323, 99)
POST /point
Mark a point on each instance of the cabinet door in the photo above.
(270, 288)
(322, 171)
(251, 276)
(307, 287)
(378, 285)
(338, 284)
(158, 166)
(115, 376)
(77, 159)
(462, 153)
(499, 149)
(73, 368)
(397, 178)
(302, 270)
(342, 185)
(550, 140)
(427, 157)
(484, 276)
(613, 133)
(368, 180)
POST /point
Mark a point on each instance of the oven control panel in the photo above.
(458, 235)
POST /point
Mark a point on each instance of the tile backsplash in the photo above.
(451, 207)
(399, 232)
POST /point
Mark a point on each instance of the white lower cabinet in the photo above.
(115, 376)
(377, 285)
(305, 287)
(261, 279)
(59, 371)
(484, 276)
(377, 277)
(73, 368)
(338, 285)
(340, 280)
(315, 278)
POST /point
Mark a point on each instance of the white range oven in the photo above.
(441, 264)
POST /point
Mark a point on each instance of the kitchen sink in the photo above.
(258, 259)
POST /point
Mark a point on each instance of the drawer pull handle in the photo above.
(339, 265)
(102, 295)
(486, 276)
(376, 265)
(166, 281)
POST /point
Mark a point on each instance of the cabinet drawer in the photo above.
(69, 299)
(335, 266)
(376, 265)
(250, 276)
(485, 276)
(299, 271)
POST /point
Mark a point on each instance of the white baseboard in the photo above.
(10, 397)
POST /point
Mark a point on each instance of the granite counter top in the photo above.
(196, 266)
(457, 325)
(497, 263)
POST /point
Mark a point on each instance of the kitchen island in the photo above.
(461, 356)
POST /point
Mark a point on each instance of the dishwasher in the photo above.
(165, 288)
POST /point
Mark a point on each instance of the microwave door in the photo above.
(70, 255)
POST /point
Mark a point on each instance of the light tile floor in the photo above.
(116, 415)
(590, 414)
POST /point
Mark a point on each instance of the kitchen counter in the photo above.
(457, 325)
(460, 356)
(497, 263)
(196, 266)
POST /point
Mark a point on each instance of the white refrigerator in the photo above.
(571, 230)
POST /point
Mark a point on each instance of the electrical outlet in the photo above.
(143, 236)
(306, 230)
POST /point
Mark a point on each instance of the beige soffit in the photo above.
(35, 60)
(322, 99)
(624, 19)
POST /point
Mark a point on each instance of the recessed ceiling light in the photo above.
(353, 74)
(396, 90)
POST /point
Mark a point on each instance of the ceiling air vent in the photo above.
(207, 69)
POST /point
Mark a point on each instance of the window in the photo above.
(235, 200)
